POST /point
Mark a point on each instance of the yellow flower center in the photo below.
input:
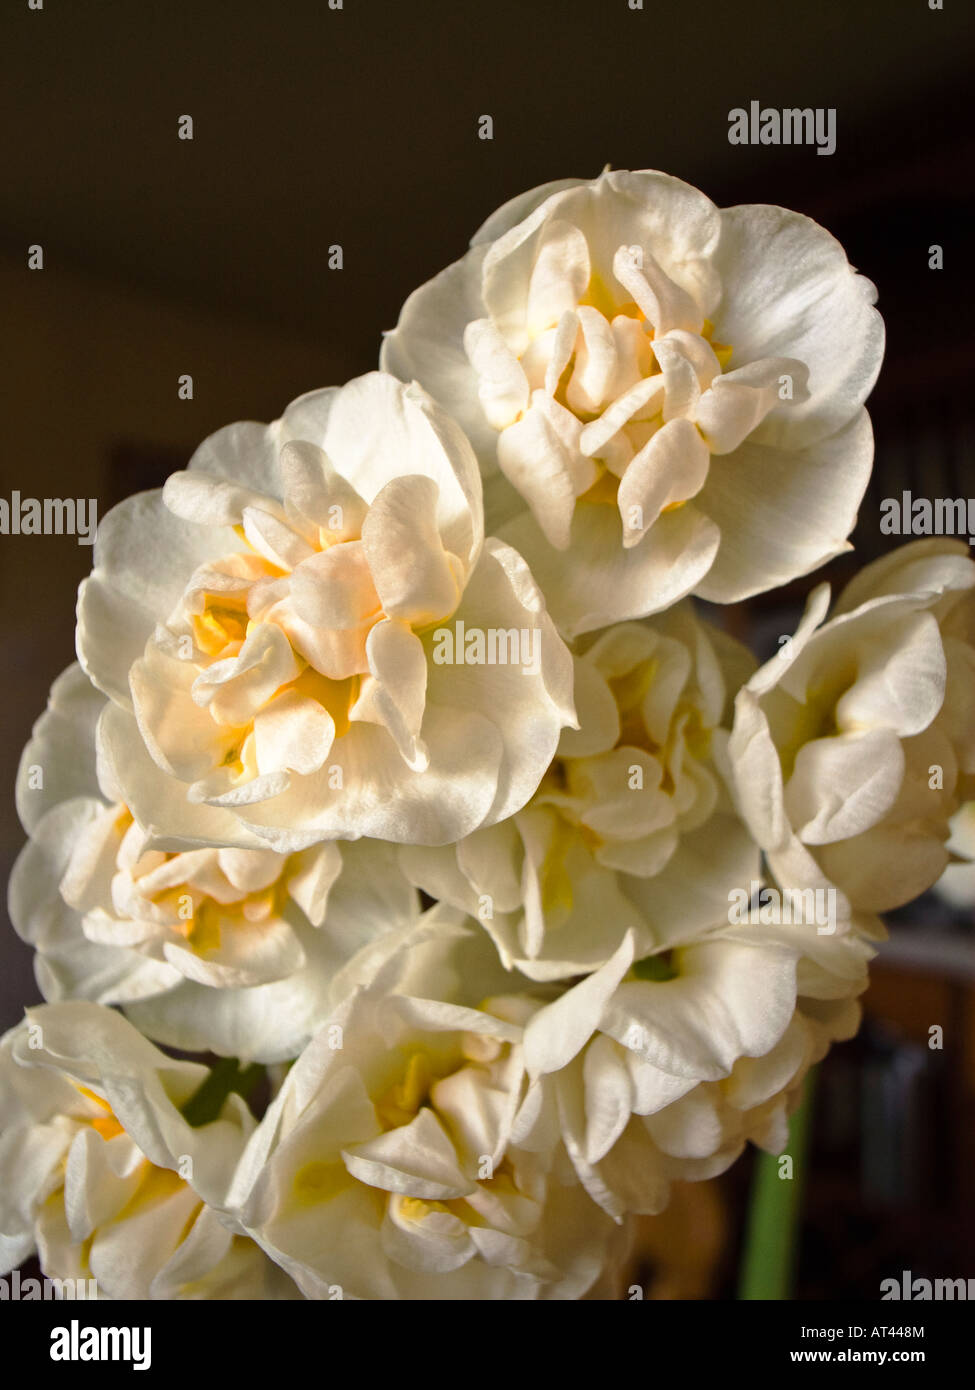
(636, 361)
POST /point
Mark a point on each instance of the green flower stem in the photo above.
(226, 1076)
(770, 1252)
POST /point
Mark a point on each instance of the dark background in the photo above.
(359, 127)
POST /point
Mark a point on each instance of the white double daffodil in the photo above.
(672, 392)
(266, 627)
(238, 951)
(103, 1176)
(384, 1169)
(661, 1069)
(854, 746)
(631, 826)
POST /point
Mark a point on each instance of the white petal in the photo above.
(502, 387)
(558, 1032)
(596, 581)
(158, 800)
(379, 429)
(641, 399)
(843, 785)
(728, 1001)
(417, 1160)
(595, 365)
(399, 665)
(671, 468)
(143, 557)
(540, 457)
(292, 732)
(663, 301)
(739, 401)
(334, 588)
(559, 275)
(62, 746)
(415, 578)
(530, 700)
(789, 291)
(609, 1097)
(381, 797)
(783, 513)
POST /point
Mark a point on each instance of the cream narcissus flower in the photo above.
(855, 745)
(672, 392)
(384, 1167)
(236, 951)
(266, 626)
(655, 1070)
(102, 1175)
(631, 827)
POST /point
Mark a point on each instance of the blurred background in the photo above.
(358, 127)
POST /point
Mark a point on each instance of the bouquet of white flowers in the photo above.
(400, 774)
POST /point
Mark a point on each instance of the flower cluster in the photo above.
(402, 779)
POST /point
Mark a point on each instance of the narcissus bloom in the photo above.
(265, 627)
(631, 827)
(672, 392)
(102, 1176)
(855, 745)
(236, 951)
(384, 1167)
(662, 1069)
